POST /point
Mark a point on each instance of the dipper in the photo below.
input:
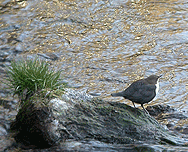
(141, 91)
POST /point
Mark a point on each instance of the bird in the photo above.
(141, 91)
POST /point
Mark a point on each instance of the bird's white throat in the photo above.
(157, 86)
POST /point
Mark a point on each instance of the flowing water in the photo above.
(102, 46)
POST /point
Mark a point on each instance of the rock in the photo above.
(36, 127)
(158, 109)
(175, 120)
(110, 122)
(79, 116)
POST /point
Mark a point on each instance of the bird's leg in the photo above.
(145, 109)
(133, 104)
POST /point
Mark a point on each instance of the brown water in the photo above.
(103, 46)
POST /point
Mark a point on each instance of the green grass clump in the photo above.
(31, 76)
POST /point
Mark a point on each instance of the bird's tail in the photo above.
(119, 94)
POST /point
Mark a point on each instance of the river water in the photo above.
(102, 46)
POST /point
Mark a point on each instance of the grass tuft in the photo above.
(27, 77)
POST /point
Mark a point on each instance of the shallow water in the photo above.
(103, 46)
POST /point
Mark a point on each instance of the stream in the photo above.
(102, 46)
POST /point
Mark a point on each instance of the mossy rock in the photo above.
(81, 117)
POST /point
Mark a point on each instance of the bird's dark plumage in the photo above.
(141, 91)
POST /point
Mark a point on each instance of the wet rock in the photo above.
(86, 117)
(158, 109)
(36, 127)
(175, 120)
(79, 116)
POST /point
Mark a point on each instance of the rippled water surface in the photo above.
(103, 46)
